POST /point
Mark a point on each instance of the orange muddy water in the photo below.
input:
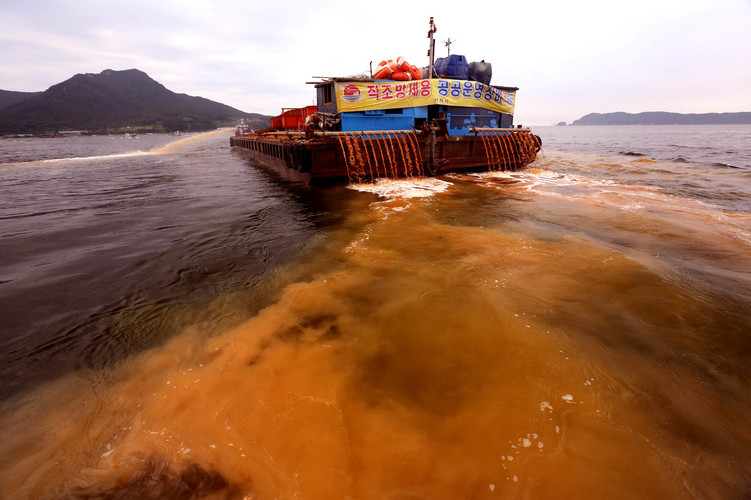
(545, 334)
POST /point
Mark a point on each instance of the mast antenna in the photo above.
(448, 45)
(431, 49)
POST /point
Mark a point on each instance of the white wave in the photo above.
(100, 157)
(404, 188)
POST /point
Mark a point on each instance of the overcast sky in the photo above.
(568, 58)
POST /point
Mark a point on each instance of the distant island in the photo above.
(114, 102)
(664, 118)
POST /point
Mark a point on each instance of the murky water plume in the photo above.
(437, 359)
(576, 329)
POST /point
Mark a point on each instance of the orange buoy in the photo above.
(400, 75)
(382, 71)
(402, 64)
(400, 70)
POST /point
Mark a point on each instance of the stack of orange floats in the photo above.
(399, 70)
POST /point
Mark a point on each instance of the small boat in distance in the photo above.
(242, 128)
(407, 122)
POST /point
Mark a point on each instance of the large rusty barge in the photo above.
(395, 123)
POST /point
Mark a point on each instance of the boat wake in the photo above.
(158, 150)
(75, 159)
(574, 187)
(172, 145)
(641, 200)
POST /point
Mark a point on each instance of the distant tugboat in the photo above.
(397, 124)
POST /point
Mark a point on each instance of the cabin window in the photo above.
(327, 94)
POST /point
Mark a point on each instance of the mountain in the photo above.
(664, 118)
(8, 97)
(112, 101)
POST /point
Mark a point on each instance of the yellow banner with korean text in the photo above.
(384, 94)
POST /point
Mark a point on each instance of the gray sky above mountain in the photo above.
(568, 58)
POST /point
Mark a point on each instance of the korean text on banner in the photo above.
(363, 96)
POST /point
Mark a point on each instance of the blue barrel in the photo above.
(454, 66)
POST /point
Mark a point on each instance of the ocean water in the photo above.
(176, 322)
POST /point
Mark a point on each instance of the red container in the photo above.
(309, 110)
(292, 118)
